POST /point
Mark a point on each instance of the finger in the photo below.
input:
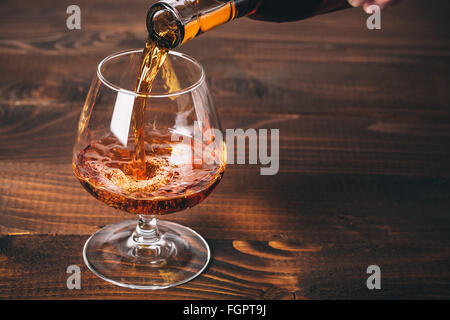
(356, 3)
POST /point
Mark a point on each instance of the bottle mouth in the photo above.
(164, 25)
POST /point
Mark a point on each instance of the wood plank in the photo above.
(240, 270)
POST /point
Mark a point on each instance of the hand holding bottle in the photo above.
(367, 3)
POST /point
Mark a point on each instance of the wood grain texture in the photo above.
(364, 119)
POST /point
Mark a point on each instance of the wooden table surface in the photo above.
(364, 119)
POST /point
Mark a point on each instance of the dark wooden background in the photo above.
(364, 119)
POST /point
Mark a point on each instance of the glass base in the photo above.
(177, 255)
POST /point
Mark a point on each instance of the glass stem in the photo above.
(146, 232)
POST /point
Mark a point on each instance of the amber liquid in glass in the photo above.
(172, 180)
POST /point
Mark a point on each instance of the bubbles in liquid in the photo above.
(169, 169)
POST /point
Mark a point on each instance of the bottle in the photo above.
(171, 23)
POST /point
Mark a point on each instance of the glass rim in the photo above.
(150, 95)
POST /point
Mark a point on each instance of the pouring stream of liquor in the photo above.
(152, 60)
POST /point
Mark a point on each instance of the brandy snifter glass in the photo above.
(181, 160)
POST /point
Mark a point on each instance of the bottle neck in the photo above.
(174, 22)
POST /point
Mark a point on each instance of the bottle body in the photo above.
(288, 10)
(188, 18)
